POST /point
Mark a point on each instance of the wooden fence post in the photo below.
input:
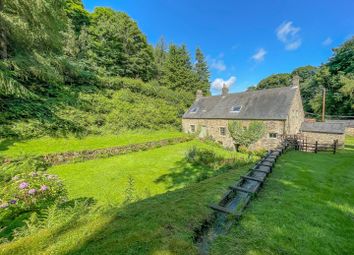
(316, 146)
(335, 146)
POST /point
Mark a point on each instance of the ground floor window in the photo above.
(222, 131)
(273, 135)
(193, 128)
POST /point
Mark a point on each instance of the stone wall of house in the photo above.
(323, 138)
(296, 115)
(349, 131)
(213, 127)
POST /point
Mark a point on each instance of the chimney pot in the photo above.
(296, 81)
(225, 90)
(198, 95)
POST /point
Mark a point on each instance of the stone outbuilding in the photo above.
(349, 125)
(323, 132)
(280, 109)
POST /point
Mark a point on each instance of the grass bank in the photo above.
(47, 145)
(162, 224)
(306, 207)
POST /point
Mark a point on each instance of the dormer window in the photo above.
(236, 108)
(193, 110)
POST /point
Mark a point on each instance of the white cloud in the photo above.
(259, 55)
(289, 35)
(219, 83)
(328, 41)
(217, 64)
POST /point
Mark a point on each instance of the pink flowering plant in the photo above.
(31, 191)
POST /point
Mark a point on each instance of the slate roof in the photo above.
(347, 123)
(323, 127)
(267, 104)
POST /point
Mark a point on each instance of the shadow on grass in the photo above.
(305, 208)
(5, 144)
(163, 223)
(13, 223)
(185, 173)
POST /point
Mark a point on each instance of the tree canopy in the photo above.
(336, 76)
(55, 53)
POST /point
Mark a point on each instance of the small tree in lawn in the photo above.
(246, 135)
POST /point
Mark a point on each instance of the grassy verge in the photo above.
(135, 175)
(47, 145)
(306, 207)
(163, 224)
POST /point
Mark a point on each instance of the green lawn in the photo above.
(48, 145)
(306, 207)
(153, 172)
(160, 225)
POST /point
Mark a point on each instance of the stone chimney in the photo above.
(296, 81)
(225, 90)
(198, 95)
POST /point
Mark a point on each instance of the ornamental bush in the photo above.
(246, 135)
(29, 192)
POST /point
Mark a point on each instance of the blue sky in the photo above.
(245, 41)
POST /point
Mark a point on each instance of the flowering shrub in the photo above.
(26, 164)
(31, 191)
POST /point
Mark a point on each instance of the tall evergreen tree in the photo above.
(178, 73)
(118, 47)
(160, 53)
(202, 71)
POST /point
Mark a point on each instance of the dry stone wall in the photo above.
(323, 138)
(65, 157)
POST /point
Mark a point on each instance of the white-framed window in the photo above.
(192, 128)
(222, 131)
(236, 108)
(273, 135)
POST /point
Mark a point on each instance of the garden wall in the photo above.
(323, 138)
(65, 157)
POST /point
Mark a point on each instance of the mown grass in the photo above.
(306, 207)
(162, 224)
(141, 174)
(47, 145)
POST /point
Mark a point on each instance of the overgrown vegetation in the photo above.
(66, 71)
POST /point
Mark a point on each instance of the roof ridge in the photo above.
(251, 91)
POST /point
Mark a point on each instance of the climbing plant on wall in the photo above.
(246, 135)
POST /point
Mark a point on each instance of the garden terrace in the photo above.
(50, 145)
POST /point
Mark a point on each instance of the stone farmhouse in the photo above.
(280, 109)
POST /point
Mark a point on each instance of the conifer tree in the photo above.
(202, 71)
(118, 47)
(160, 54)
(178, 73)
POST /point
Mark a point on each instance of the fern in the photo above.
(11, 87)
